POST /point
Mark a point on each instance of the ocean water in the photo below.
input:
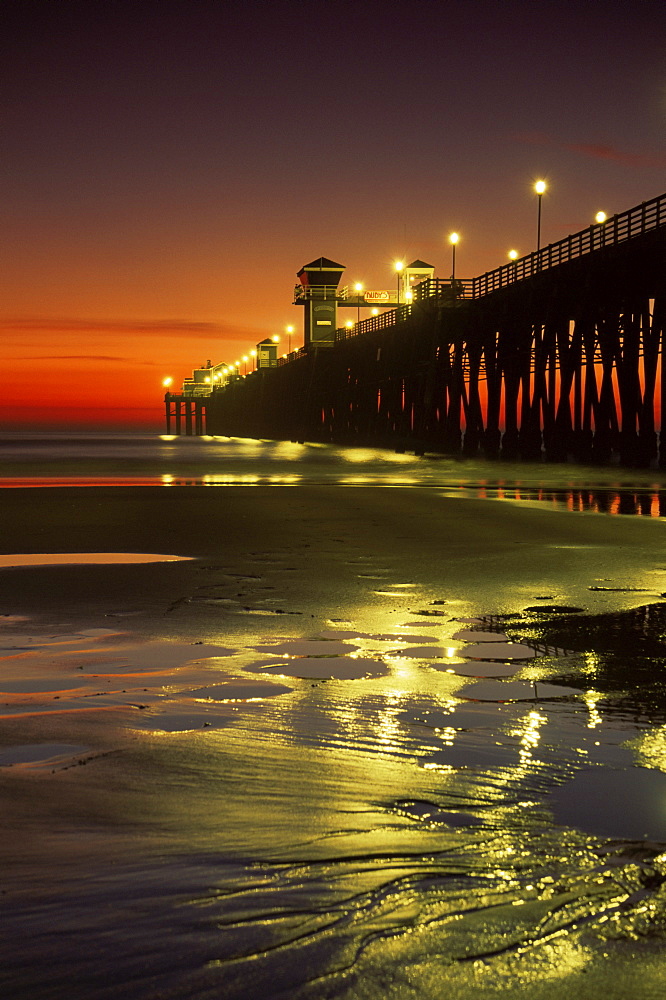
(36, 459)
(316, 762)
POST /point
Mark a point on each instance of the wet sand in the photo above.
(330, 754)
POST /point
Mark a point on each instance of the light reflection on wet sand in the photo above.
(230, 806)
(341, 885)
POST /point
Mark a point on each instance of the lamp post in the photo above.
(539, 187)
(289, 331)
(358, 288)
(398, 270)
(253, 355)
(349, 324)
(453, 240)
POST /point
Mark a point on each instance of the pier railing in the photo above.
(452, 293)
(383, 321)
(617, 229)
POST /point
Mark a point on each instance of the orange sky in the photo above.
(168, 168)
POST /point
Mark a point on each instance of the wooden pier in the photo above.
(558, 354)
(185, 414)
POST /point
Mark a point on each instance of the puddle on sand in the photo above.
(96, 669)
(241, 691)
(325, 668)
(423, 652)
(491, 650)
(306, 647)
(181, 722)
(397, 636)
(489, 690)
(406, 834)
(421, 624)
(82, 559)
(476, 635)
(482, 668)
(40, 755)
(629, 804)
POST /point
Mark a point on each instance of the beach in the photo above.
(381, 739)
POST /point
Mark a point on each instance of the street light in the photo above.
(539, 187)
(398, 270)
(253, 355)
(358, 288)
(349, 324)
(513, 257)
(453, 240)
(245, 361)
(600, 218)
(289, 331)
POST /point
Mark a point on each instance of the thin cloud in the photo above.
(601, 151)
(595, 150)
(153, 328)
(77, 357)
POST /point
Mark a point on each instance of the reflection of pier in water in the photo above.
(501, 624)
(607, 500)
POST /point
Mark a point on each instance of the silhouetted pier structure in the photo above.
(185, 414)
(558, 354)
